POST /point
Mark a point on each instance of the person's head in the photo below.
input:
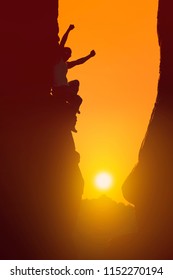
(66, 53)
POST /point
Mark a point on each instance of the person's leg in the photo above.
(73, 123)
(68, 97)
(73, 98)
(68, 94)
(75, 103)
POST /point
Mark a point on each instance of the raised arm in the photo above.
(65, 36)
(80, 60)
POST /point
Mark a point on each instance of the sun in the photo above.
(103, 180)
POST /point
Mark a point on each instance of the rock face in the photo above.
(150, 185)
(41, 183)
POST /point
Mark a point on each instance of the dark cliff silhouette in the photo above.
(150, 185)
(41, 183)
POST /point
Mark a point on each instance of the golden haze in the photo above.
(118, 85)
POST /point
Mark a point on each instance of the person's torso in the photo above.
(59, 74)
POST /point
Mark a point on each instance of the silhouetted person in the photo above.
(65, 90)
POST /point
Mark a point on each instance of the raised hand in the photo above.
(92, 53)
(71, 27)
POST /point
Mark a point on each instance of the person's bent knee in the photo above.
(74, 86)
(74, 83)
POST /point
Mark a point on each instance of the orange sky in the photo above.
(118, 85)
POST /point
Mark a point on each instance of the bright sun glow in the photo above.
(103, 180)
